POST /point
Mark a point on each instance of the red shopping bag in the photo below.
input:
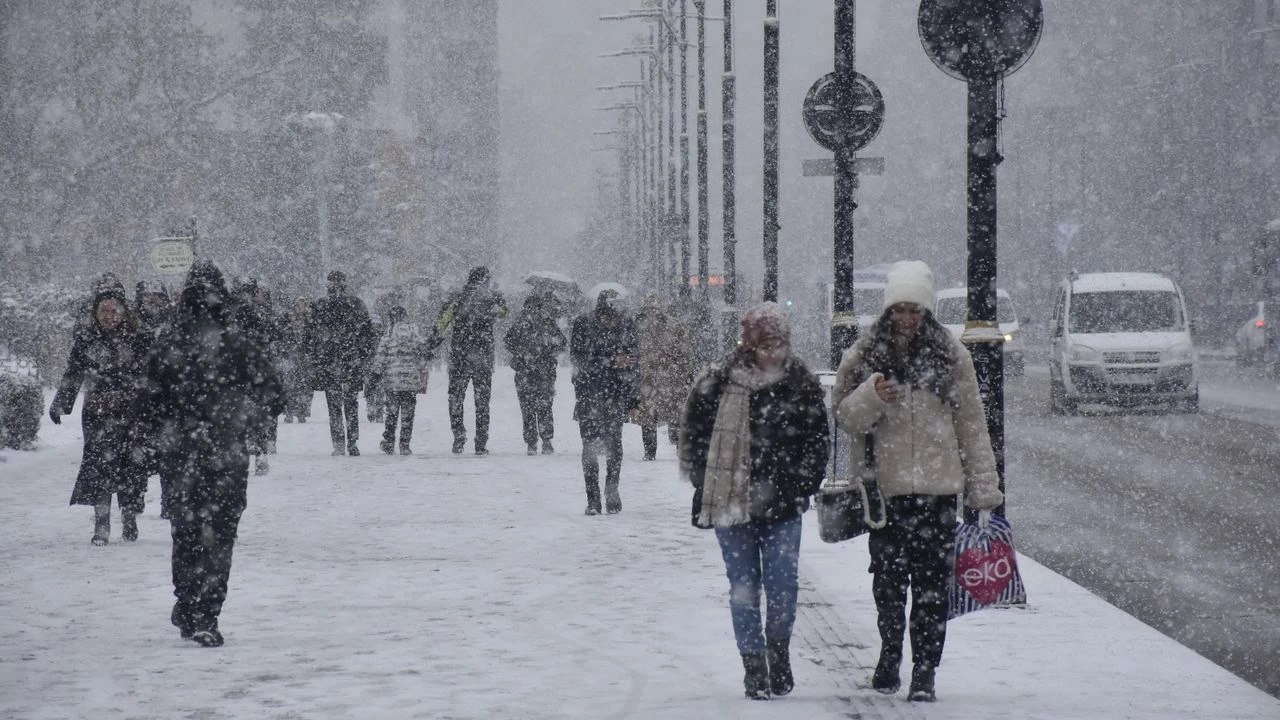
(986, 569)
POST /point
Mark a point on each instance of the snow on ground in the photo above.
(442, 586)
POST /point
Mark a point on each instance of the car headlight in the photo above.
(1182, 352)
(1084, 353)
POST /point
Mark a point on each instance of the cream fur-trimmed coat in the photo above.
(923, 445)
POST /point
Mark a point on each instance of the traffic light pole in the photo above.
(844, 325)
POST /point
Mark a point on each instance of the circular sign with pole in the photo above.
(975, 39)
(848, 125)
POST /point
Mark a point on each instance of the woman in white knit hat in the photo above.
(911, 385)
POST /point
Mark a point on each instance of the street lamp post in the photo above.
(327, 123)
(728, 98)
(771, 33)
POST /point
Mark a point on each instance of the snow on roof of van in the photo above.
(1112, 281)
(964, 291)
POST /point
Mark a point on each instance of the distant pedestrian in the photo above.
(154, 311)
(257, 320)
(295, 366)
(469, 316)
(912, 385)
(209, 386)
(339, 342)
(754, 443)
(603, 346)
(400, 365)
(667, 369)
(106, 358)
(534, 342)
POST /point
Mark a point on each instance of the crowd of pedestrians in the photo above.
(191, 388)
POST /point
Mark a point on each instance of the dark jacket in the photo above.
(208, 387)
(790, 437)
(534, 341)
(469, 315)
(604, 392)
(339, 341)
(109, 366)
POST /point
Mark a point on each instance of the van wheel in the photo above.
(1059, 403)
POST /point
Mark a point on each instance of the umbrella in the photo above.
(594, 292)
(552, 280)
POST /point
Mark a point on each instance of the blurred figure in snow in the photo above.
(666, 372)
(533, 343)
(210, 387)
(339, 341)
(294, 364)
(754, 443)
(469, 315)
(400, 365)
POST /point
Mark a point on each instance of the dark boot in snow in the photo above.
(755, 683)
(886, 678)
(101, 524)
(781, 681)
(128, 526)
(921, 684)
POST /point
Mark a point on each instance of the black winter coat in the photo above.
(339, 341)
(533, 343)
(790, 437)
(469, 316)
(603, 392)
(109, 365)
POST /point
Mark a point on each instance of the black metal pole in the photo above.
(844, 321)
(987, 351)
(704, 216)
(728, 97)
(771, 32)
(684, 150)
(669, 226)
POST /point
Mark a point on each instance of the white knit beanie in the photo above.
(909, 281)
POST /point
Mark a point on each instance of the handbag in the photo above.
(847, 507)
(986, 569)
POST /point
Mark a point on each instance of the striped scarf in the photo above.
(725, 491)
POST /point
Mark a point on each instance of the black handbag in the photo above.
(847, 507)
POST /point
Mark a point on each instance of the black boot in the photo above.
(128, 526)
(780, 680)
(921, 684)
(755, 682)
(101, 524)
(886, 678)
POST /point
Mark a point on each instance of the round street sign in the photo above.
(976, 39)
(850, 125)
(171, 257)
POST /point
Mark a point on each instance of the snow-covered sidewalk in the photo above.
(443, 586)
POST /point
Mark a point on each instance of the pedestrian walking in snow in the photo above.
(257, 320)
(400, 365)
(911, 385)
(469, 316)
(106, 358)
(754, 443)
(295, 366)
(209, 387)
(534, 342)
(339, 341)
(603, 345)
(667, 371)
(154, 311)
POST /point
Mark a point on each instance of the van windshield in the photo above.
(1126, 311)
(955, 310)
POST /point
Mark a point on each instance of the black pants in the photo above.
(535, 394)
(481, 380)
(601, 437)
(344, 418)
(914, 550)
(401, 405)
(204, 534)
(649, 434)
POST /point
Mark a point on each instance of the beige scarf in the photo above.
(725, 490)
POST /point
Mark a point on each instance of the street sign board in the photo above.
(171, 256)
(848, 123)
(976, 39)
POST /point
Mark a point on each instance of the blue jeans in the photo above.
(757, 554)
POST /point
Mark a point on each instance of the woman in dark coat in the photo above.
(603, 345)
(533, 342)
(106, 357)
(754, 443)
(209, 388)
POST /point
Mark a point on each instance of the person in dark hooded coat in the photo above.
(339, 341)
(603, 345)
(469, 315)
(533, 342)
(209, 387)
(106, 357)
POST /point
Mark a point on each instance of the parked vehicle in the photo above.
(1121, 338)
(21, 400)
(1253, 338)
(953, 311)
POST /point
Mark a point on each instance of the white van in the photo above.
(868, 295)
(1121, 338)
(952, 312)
